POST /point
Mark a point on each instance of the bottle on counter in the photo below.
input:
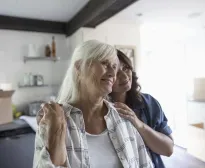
(53, 47)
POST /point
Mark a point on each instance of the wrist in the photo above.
(139, 124)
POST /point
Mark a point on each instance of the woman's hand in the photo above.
(52, 127)
(156, 141)
(127, 113)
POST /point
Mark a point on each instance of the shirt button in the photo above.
(114, 137)
(122, 158)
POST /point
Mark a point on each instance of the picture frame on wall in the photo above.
(129, 51)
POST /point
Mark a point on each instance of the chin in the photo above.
(126, 88)
(107, 91)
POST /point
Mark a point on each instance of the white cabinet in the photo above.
(196, 142)
(196, 129)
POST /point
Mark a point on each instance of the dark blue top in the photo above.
(151, 114)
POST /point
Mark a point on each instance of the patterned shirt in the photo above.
(126, 140)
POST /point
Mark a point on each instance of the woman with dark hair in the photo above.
(143, 111)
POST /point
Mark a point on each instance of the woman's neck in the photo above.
(119, 97)
(91, 107)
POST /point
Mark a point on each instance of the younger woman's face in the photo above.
(123, 81)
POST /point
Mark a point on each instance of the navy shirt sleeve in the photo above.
(156, 116)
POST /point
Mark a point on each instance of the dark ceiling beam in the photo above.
(94, 13)
(112, 10)
(25, 24)
(93, 9)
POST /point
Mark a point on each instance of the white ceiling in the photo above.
(54, 10)
(192, 11)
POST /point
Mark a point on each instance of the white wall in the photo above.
(111, 32)
(13, 46)
(172, 55)
(163, 72)
(195, 54)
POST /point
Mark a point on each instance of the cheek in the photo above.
(116, 84)
(98, 69)
(94, 74)
(129, 74)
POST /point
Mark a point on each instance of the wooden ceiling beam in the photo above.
(112, 10)
(92, 9)
(25, 24)
(94, 13)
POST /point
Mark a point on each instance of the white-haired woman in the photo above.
(87, 131)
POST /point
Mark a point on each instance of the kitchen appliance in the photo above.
(34, 107)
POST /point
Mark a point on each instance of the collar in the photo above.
(69, 109)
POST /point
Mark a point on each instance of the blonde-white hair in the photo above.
(87, 51)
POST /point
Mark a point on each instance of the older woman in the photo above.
(86, 130)
(143, 111)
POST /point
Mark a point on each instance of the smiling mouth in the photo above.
(108, 81)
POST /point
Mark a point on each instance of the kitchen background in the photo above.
(168, 37)
(14, 47)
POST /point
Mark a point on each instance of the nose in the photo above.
(111, 71)
(121, 74)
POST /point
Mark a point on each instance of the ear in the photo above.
(77, 65)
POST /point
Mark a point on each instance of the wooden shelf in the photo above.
(29, 86)
(197, 100)
(39, 86)
(42, 58)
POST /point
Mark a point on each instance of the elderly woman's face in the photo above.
(123, 82)
(101, 75)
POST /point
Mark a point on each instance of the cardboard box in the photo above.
(6, 114)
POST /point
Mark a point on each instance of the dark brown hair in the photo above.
(133, 96)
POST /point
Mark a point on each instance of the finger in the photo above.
(119, 110)
(56, 106)
(45, 105)
(52, 104)
(59, 109)
(49, 107)
(121, 105)
(128, 117)
(126, 112)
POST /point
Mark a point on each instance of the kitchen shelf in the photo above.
(42, 58)
(39, 86)
(197, 100)
(29, 86)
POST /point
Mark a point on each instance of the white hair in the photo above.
(87, 51)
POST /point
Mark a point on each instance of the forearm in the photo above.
(42, 156)
(57, 148)
(156, 141)
(58, 154)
